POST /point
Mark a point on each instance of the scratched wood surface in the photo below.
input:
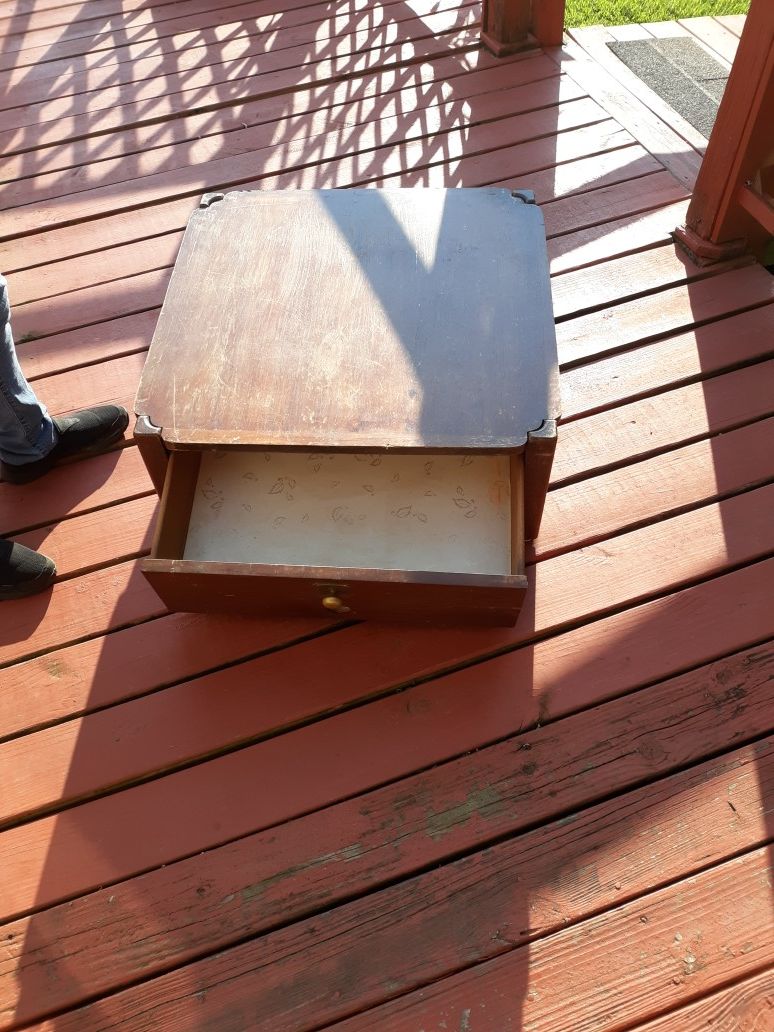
(220, 823)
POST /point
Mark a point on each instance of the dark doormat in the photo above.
(681, 72)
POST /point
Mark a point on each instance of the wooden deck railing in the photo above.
(511, 25)
(732, 209)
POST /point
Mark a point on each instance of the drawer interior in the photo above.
(443, 513)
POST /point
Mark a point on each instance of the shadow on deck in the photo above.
(212, 823)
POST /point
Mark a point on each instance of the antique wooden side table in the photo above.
(349, 405)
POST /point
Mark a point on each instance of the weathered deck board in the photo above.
(306, 112)
(720, 41)
(565, 672)
(447, 144)
(721, 908)
(149, 106)
(190, 149)
(83, 33)
(97, 538)
(749, 1002)
(415, 925)
(119, 475)
(675, 308)
(629, 277)
(709, 349)
(31, 768)
(655, 424)
(591, 510)
(592, 65)
(159, 48)
(628, 569)
(276, 70)
(590, 211)
(378, 807)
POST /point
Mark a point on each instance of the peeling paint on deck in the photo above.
(250, 892)
(483, 802)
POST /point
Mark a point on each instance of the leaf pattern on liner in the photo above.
(402, 510)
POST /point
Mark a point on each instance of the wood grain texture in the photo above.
(668, 312)
(678, 557)
(163, 22)
(158, 50)
(323, 134)
(283, 69)
(303, 114)
(89, 306)
(747, 1005)
(103, 480)
(702, 352)
(112, 478)
(646, 272)
(86, 677)
(88, 345)
(377, 785)
(582, 127)
(607, 859)
(386, 268)
(250, 154)
(43, 288)
(590, 510)
(387, 596)
(626, 235)
(101, 382)
(132, 662)
(90, 605)
(646, 427)
(96, 539)
(695, 936)
(288, 70)
(172, 733)
(555, 677)
(38, 320)
(41, 29)
(440, 66)
(590, 210)
(616, 160)
(588, 65)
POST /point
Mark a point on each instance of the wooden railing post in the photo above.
(511, 25)
(731, 209)
(548, 22)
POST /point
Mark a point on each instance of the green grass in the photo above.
(629, 12)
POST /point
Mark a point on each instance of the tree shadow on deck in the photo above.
(297, 871)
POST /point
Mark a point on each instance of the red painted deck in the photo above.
(213, 824)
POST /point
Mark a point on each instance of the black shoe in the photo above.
(22, 571)
(79, 435)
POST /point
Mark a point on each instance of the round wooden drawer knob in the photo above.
(334, 603)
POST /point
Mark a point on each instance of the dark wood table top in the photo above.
(414, 318)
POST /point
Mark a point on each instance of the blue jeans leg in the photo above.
(26, 431)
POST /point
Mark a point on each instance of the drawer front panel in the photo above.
(381, 595)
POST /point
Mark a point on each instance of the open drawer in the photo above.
(435, 537)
